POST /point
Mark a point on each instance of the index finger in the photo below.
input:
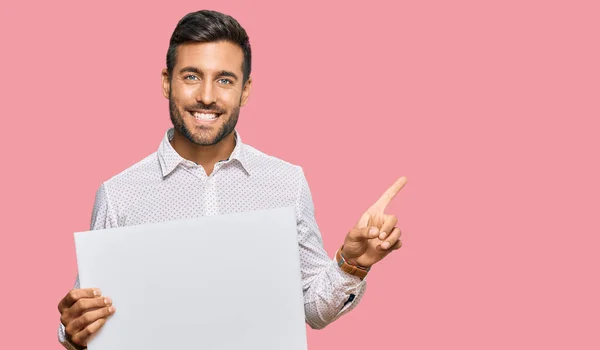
(76, 294)
(391, 192)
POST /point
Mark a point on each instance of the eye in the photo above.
(225, 81)
(190, 77)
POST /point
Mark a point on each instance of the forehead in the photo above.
(214, 56)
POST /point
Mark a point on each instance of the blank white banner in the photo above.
(212, 283)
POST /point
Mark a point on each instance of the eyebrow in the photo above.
(225, 73)
(221, 73)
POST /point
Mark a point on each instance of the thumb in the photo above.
(359, 234)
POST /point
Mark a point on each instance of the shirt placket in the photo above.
(211, 206)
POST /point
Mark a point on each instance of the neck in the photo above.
(207, 156)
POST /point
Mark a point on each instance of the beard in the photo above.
(201, 135)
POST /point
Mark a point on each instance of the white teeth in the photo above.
(205, 116)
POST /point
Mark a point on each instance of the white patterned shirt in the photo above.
(164, 186)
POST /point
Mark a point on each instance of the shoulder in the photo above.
(268, 165)
(139, 174)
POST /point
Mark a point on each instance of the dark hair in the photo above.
(209, 26)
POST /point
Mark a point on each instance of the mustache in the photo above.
(211, 108)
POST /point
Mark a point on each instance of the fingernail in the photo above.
(97, 292)
(385, 245)
(382, 235)
(111, 309)
(373, 231)
(107, 301)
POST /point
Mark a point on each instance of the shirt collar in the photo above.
(169, 159)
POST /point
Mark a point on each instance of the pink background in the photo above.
(489, 108)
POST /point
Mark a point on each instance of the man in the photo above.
(203, 168)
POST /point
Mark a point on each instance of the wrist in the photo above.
(71, 345)
(355, 270)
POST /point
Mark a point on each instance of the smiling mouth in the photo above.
(205, 116)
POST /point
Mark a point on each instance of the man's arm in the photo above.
(102, 217)
(329, 292)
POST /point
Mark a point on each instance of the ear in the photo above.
(166, 83)
(246, 92)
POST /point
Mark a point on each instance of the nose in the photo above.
(206, 93)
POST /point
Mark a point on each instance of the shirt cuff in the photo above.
(350, 283)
